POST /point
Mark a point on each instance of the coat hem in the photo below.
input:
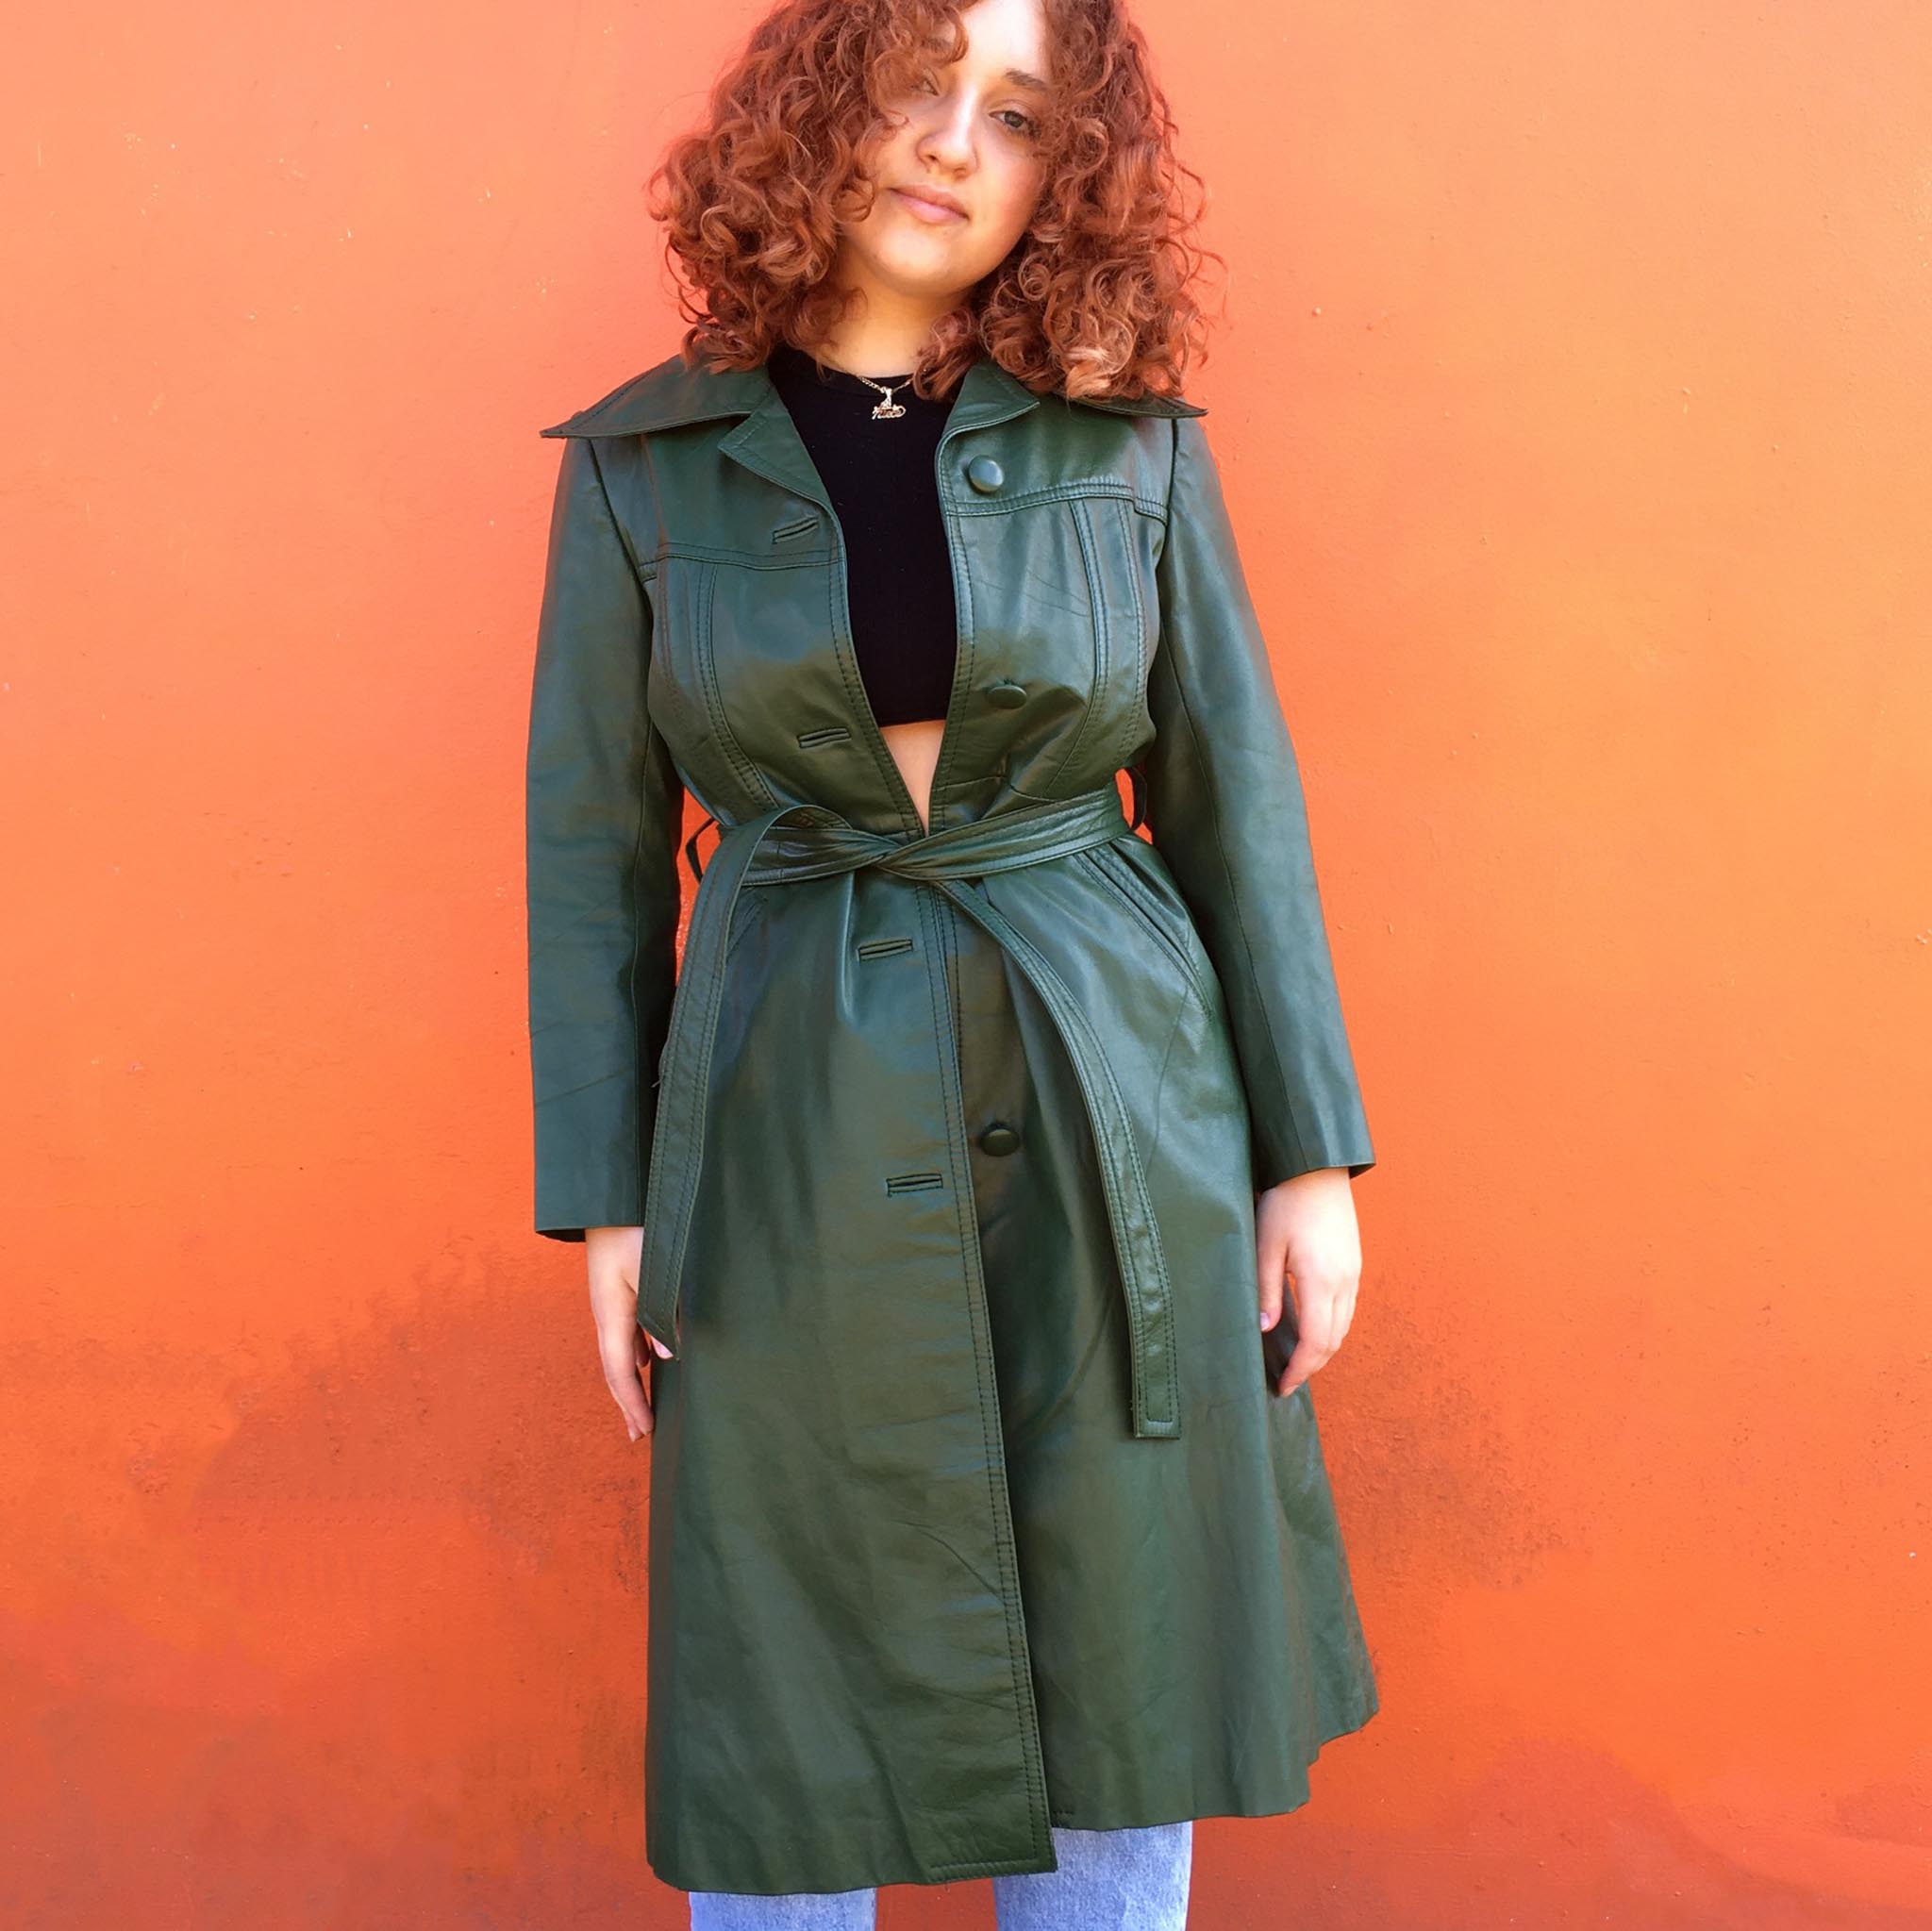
(1074, 1817)
(905, 1871)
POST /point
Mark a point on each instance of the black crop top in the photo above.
(899, 577)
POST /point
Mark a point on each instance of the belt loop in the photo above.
(690, 848)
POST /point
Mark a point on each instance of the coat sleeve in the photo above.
(1225, 805)
(603, 814)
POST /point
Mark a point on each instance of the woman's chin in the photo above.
(926, 275)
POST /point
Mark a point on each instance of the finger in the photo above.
(631, 1397)
(622, 1379)
(1270, 1264)
(1321, 1310)
(634, 1407)
(1303, 1363)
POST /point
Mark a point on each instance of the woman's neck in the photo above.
(884, 336)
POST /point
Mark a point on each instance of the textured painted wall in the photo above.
(1573, 398)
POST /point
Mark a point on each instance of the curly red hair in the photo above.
(1093, 300)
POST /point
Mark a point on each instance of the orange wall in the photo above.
(1573, 398)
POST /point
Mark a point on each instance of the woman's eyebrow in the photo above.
(1020, 78)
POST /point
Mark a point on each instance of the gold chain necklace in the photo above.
(883, 411)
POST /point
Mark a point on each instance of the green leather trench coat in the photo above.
(972, 1512)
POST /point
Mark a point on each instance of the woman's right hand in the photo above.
(615, 1256)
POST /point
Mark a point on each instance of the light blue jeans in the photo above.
(1109, 1880)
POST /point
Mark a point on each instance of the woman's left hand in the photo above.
(1306, 1227)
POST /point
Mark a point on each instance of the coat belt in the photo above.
(793, 842)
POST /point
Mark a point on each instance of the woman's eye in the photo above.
(1027, 124)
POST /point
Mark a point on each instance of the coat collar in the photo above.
(670, 393)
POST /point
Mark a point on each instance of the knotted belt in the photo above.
(793, 842)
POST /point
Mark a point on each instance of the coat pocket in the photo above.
(748, 914)
(1170, 927)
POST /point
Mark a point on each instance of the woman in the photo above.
(938, 1209)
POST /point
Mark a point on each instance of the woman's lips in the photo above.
(927, 210)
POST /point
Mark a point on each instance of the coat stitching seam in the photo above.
(1102, 647)
(1130, 577)
(1083, 488)
(745, 769)
(966, 659)
(633, 1114)
(740, 559)
(991, 1427)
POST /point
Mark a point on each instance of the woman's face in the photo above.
(966, 137)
